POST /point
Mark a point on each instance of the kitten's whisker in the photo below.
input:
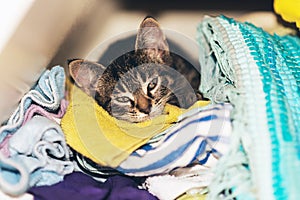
(163, 99)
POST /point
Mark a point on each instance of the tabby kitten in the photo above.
(136, 86)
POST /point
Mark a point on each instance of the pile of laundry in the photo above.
(59, 143)
(33, 148)
(38, 162)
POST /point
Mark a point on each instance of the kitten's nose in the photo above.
(143, 104)
(146, 110)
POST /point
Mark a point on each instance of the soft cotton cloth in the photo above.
(91, 131)
(190, 180)
(26, 196)
(201, 136)
(87, 166)
(4, 146)
(47, 93)
(35, 109)
(259, 74)
(14, 178)
(38, 156)
(78, 186)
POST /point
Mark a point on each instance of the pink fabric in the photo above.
(4, 146)
(36, 109)
(30, 112)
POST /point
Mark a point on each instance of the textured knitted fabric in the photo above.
(259, 74)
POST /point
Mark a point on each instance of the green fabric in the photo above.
(259, 74)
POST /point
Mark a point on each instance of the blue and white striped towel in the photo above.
(201, 137)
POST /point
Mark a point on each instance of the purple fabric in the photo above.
(78, 186)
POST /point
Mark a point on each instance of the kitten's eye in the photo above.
(152, 84)
(123, 99)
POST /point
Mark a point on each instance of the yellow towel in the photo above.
(91, 131)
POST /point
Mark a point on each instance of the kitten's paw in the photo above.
(200, 96)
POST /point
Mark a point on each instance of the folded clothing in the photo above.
(26, 196)
(47, 93)
(183, 155)
(35, 109)
(91, 131)
(192, 180)
(200, 136)
(42, 160)
(259, 74)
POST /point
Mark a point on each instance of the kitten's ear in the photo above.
(85, 74)
(151, 37)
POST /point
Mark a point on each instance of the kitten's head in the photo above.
(136, 86)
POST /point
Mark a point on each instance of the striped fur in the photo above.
(136, 86)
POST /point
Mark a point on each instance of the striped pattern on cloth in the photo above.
(201, 136)
(259, 74)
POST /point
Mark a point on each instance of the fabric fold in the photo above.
(35, 109)
(47, 93)
(38, 156)
(258, 74)
(189, 180)
(201, 136)
(78, 186)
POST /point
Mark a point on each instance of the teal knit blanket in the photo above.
(259, 74)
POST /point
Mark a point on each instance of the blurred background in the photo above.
(35, 35)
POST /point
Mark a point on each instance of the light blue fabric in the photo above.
(259, 74)
(48, 93)
(14, 178)
(201, 136)
(38, 156)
